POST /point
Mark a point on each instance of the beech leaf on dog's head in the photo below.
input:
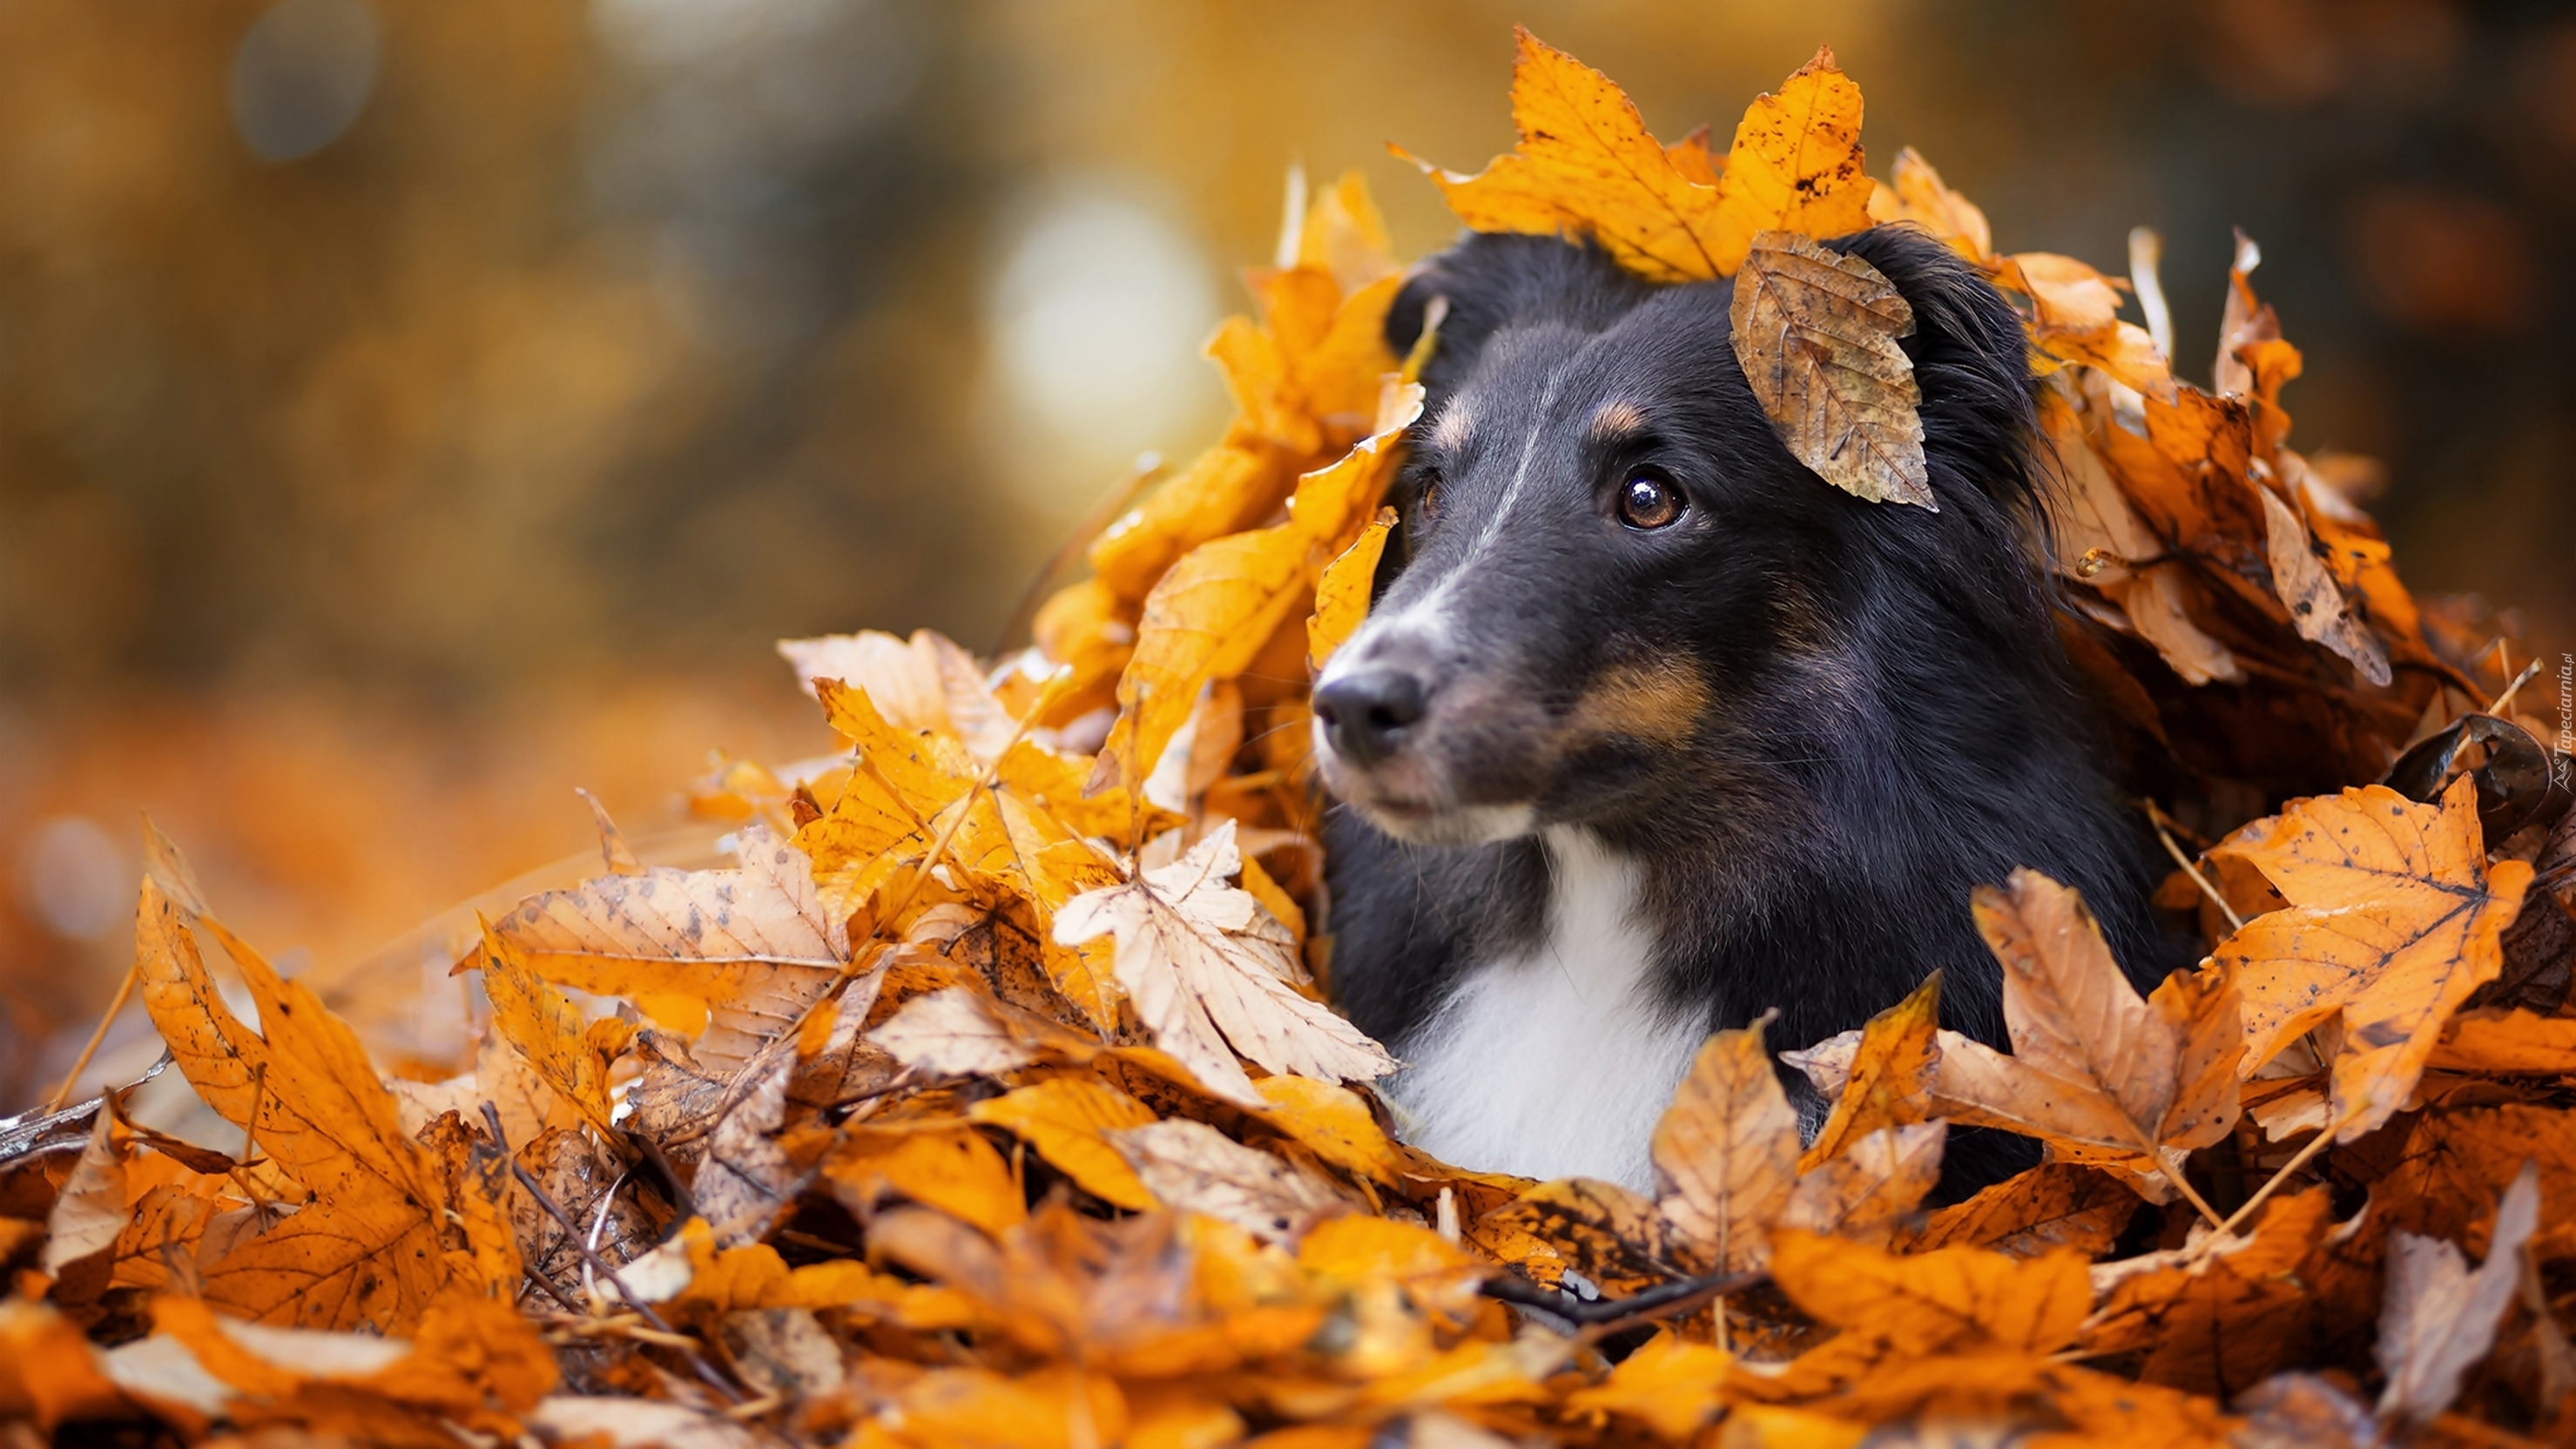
(1816, 332)
(1210, 974)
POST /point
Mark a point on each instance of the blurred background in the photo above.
(412, 410)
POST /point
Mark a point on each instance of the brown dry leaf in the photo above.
(744, 1179)
(89, 1209)
(1613, 1237)
(1888, 1082)
(2316, 604)
(1726, 1152)
(1211, 974)
(1867, 1190)
(2216, 1317)
(1192, 1165)
(1816, 333)
(366, 1250)
(2394, 919)
(2510, 1043)
(2054, 1205)
(2092, 1063)
(749, 948)
(1067, 1119)
(1947, 1299)
(2440, 1317)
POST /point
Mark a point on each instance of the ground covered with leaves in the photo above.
(992, 1096)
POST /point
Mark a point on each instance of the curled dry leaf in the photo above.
(1342, 594)
(90, 1210)
(1816, 333)
(1867, 1190)
(2308, 591)
(1211, 973)
(1888, 1080)
(2441, 1317)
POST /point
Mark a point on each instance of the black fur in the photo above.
(1888, 718)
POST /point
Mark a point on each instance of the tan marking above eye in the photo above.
(1450, 432)
(1617, 420)
(1659, 700)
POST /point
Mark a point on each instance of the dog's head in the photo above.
(1611, 577)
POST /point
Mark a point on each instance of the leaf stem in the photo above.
(124, 991)
(2157, 817)
(2272, 1184)
(2174, 1162)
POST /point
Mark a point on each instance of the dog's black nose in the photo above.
(1367, 714)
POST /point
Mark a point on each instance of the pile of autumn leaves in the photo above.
(990, 1098)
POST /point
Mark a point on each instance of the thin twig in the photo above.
(2263, 1194)
(573, 1234)
(2529, 672)
(124, 991)
(2157, 817)
(1610, 1314)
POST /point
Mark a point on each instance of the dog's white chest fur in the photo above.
(1554, 1062)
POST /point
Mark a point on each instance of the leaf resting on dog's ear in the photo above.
(1816, 334)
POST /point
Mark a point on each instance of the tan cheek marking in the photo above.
(1663, 701)
(1617, 420)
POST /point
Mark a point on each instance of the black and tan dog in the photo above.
(1651, 730)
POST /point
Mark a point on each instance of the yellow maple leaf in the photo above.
(1587, 167)
(2395, 917)
(366, 1249)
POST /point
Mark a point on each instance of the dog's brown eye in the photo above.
(1646, 501)
(1429, 504)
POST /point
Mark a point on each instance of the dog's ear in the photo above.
(1971, 363)
(1490, 281)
